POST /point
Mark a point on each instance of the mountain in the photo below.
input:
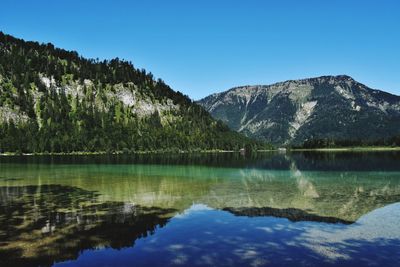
(297, 112)
(53, 100)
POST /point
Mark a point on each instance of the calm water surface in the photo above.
(297, 209)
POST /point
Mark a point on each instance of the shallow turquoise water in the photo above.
(299, 209)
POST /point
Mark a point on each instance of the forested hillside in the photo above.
(53, 100)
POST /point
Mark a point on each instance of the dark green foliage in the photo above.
(62, 122)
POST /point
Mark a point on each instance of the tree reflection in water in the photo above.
(40, 225)
(294, 209)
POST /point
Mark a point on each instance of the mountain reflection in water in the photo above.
(294, 215)
(40, 225)
(307, 209)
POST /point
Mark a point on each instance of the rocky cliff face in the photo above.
(292, 112)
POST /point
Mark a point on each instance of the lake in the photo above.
(226, 209)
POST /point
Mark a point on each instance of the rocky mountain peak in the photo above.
(293, 111)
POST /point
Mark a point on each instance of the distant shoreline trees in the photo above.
(339, 143)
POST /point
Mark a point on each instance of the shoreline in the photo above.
(347, 149)
(82, 153)
(288, 150)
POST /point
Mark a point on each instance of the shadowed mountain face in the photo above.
(291, 112)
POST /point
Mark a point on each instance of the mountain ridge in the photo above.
(339, 76)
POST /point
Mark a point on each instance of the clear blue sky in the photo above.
(206, 46)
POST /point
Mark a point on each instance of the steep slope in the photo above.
(293, 112)
(52, 100)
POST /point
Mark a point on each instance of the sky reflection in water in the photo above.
(266, 210)
(202, 236)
